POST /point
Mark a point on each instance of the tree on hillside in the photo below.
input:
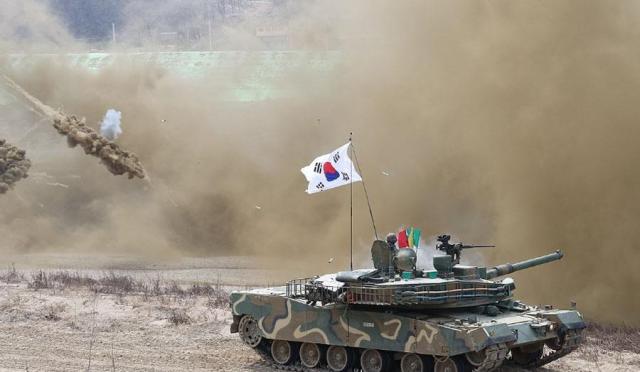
(90, 20)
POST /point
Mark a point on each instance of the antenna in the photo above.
(351, 206)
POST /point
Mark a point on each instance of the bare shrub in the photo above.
(218, 299)
(175, 289)
(178, 317)
(12, 275)
(40, 280)
(65, 279)
(198, 289)
(117, 284)
(156, 287)
(61, 280)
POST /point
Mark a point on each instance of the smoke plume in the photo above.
(13, 165)
(513, 123)
(110, 126)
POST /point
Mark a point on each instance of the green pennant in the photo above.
(415, 234)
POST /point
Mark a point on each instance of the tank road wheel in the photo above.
(339, 358)
(249, 331)
(477, 358)
(372, 360)
(283, 352)
(528, 354)
(450, 364)
(555, 343)
(310, 355)
(416, 363)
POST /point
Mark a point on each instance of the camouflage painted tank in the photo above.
(394, 317)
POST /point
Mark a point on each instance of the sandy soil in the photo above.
(75, 328)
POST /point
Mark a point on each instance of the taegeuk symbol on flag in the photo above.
(330, 171)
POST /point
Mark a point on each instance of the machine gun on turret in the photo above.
(455, 250)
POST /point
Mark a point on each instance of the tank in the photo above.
(396, 317)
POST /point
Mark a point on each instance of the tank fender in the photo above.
(481, 338)
(463, 340)
(567, 319)
(500, 333)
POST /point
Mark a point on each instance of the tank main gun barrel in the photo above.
(508, 268)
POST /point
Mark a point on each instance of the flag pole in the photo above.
(364, 187)
(351, 207)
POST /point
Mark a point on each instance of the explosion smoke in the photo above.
(110, 126)
(117, 160)
(13, 165)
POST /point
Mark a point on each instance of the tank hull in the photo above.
(440, 334)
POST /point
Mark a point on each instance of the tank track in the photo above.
(573, 338)
(496, 355)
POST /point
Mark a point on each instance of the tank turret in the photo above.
(395, 280)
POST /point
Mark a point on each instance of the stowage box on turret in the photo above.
(454, 318)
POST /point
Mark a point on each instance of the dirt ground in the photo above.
(92, 318)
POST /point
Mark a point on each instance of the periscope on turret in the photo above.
(453, 318)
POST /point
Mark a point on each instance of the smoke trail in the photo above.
(117, 160)
(110, 126)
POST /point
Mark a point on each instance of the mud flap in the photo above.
(235, 324)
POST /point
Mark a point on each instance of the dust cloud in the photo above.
(28, 26)
(512, 123)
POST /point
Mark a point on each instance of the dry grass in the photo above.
(118, 284)
(11, 275)
(618, 338)
(53, 311)
(179, 317)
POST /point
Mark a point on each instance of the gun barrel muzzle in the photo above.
(509, 268)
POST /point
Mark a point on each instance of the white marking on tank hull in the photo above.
(355, 331)
(395, 333)
(240, 300)
(412, 341)
(280, 324)
(298, 334)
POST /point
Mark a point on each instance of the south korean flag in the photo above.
(330, 171)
